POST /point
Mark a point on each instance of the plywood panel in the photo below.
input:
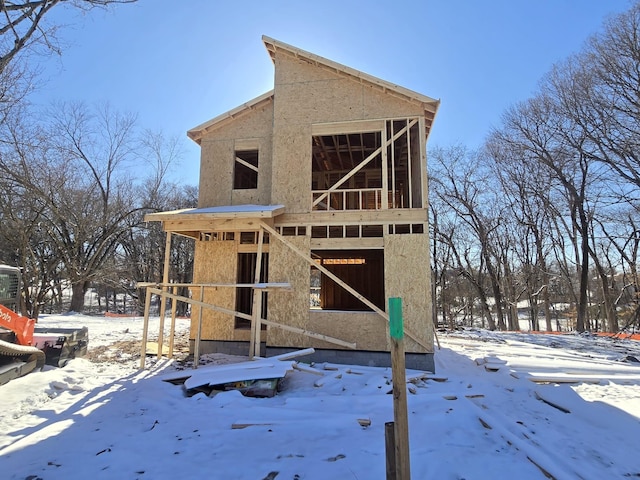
(215, 262)
(289, 307)
(217, 159)
(291, 184)
(365, 329)
(407, 275)
(216, 173)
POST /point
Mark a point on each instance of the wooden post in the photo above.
(145, 328)
(163, 300)
(398, 373)
(196, 346)
(172, 331)
(256, 308)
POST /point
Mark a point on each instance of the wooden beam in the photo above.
(246, 164)
(353, 217)
(345, 128)
(219, 213)
(346, 243)
(261, 286)
(211, 224)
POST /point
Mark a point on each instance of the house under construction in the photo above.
(312, 214)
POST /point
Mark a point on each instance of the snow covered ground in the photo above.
(102, 418)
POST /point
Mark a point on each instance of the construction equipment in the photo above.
(25, 348)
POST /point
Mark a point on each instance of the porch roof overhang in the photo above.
(191, 222)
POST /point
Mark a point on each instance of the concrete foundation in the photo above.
(414, 361)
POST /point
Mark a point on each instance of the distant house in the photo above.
(312, 214)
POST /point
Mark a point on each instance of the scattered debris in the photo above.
(255, 378)
(364, 422)
(336, 458)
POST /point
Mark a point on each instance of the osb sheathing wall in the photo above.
(306, 94)
(368, 330)
(407, 275)
(214, 262)
(290, 307)
(250, 130)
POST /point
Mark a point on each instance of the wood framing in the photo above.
(319, 185)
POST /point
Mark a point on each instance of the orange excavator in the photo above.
(22, 348)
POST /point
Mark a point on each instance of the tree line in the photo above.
(546, 214)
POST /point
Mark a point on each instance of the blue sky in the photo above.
(179, 63)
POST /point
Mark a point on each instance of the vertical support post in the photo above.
(256, 308)
(393, 169)
(398, 372)
(423, 164)
(385, 170)
(163, 300)
(409, 172)
(172, 331)
(145, 328)
(196, 347)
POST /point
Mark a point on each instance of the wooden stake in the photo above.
(398, 372)
(390, 450)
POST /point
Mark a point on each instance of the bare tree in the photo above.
(462, 185)
(24, 25)
(82, 177)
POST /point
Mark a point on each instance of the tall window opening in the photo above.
(244, 295)
(245, 170)
(362, 270)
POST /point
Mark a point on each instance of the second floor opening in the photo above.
(369, 165)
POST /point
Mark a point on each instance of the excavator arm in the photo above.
(22, 326)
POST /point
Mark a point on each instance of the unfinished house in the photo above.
(312, 214)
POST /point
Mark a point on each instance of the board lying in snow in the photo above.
(258, 377)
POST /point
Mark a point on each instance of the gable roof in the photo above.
(274, 47)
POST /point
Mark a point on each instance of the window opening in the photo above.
(244, 295)
(369, 170)
(245, 170)
(360, 269)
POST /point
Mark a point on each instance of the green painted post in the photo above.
(396, 328)
(399, 374)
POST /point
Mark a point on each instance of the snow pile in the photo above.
(101, 418)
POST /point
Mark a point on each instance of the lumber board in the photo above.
(222, 374)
